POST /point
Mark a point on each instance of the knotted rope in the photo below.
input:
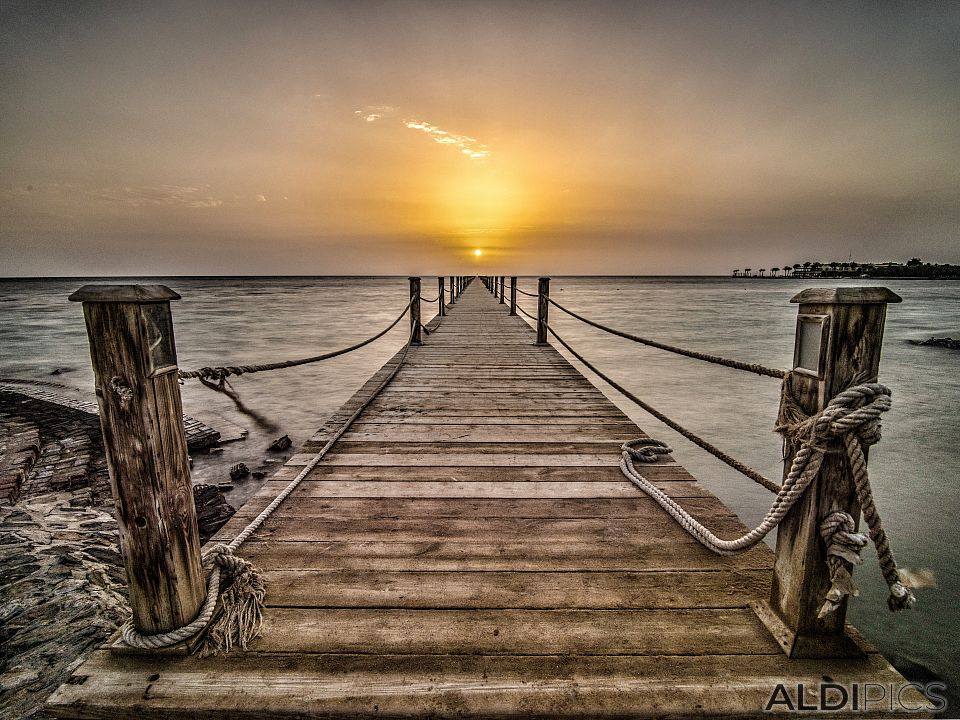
(234, 581)
(858, 425)
(852, 417)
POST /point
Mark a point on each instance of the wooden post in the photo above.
(442, 296)
(502, 290)
(838, 339)
(453, 298)
(134, 360)
(415, 311)
(543, 308)
(513, 295)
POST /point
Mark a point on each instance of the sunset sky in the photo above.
(394, 138)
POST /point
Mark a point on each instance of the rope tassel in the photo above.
(843, 548)
(241, 617)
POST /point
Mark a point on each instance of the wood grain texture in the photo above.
(146, 453)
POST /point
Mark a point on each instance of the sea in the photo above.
(915, 469)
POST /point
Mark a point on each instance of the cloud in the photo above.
(160, 196)
(261, 198)
(372, 113)
(467, 145)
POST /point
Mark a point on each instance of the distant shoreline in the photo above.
(129, 278)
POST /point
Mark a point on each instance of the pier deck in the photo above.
(471, 548)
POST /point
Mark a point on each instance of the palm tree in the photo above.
(747, 271)
(762, 271)
(774, 271)
(736, 273)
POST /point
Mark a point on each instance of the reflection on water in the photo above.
(226, 320)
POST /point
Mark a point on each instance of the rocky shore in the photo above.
(61, 593)
(62, 585)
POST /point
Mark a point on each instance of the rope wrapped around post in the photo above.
(235, 582)
(852, 417)
(243, 592)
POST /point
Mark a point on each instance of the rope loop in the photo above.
(645, 450)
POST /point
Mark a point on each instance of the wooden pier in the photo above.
(470, 548)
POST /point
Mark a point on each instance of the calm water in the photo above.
(914, 468)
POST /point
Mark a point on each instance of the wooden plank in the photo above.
(399, 457)
(560, 530)
(349, 685)
(435, 473)
(523, 590)
(454, 489)
(610, 509)
(631, 554)
(494, 632)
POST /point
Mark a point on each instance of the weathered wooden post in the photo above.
(513, 295)
(502, 290)
(441, 295)
(838, 339)
(134, 360)
(415, 311)
(543, 308)
(453, 297)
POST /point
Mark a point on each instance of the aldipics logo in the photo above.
(858, 697)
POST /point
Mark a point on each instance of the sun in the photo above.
(478, 252)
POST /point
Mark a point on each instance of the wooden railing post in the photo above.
(502, 291)
(415, 330)
(543, 309)
(442, 296)
(513, 295)
(838, 339)
(453, 296)
(134, 360)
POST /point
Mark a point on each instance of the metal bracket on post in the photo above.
(134, 358)
(543, 309)
(838, 340)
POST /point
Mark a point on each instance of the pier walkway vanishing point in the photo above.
(471, 548)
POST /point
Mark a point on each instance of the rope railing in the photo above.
(524, 292)
(715, 359)
(674, 425)
(521, 310)
(221, 372)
